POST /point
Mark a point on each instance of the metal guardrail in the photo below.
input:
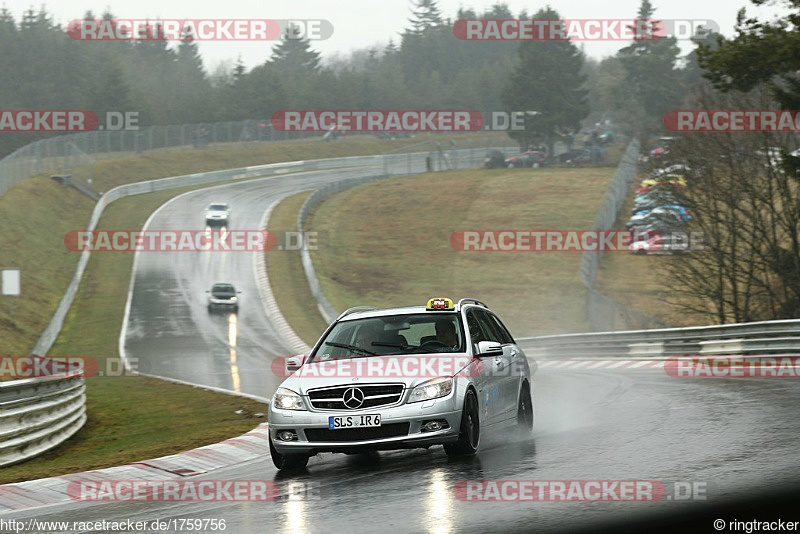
(37, 414)
(762, 338)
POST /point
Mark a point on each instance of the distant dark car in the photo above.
(532, 158)
(223, 296)
(572, 154)
(494, 160)
(582, 156)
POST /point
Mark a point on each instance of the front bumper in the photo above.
(414, 414)
(222, 304)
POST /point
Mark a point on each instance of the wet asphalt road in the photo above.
(739, 437)
(170, 331)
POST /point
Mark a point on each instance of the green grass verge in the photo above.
(130, 418)
(388, 243)
(287, 278)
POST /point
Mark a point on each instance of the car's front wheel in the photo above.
(469, 435)
(287, 461)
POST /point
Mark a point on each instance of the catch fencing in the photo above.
(603, 312)
(63, 153)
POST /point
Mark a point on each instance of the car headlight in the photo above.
(286, 399)
(234, 299)
(432, 389)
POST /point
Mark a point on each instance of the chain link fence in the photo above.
(71, 153)
(65, 153)
(603, 312)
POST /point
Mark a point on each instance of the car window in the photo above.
(475, 330)
(488, 327)
(224, 288)
(502, 331)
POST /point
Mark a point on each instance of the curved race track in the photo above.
(736, 436)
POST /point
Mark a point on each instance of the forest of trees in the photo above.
(425, 67)
(751, 217)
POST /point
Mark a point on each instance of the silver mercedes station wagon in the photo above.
(397, 378)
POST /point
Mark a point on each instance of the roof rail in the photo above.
(356, 309)
(468, 300)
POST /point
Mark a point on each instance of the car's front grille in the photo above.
(357, 434)
(374, 395)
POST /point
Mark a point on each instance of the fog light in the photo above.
(431, 426)
(287, 435)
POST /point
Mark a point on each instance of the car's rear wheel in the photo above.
(287, 461)
(469, 435)
(525, 409)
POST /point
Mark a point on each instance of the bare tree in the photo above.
(745, 202)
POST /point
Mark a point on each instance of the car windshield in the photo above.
(415, 333)
(218, 207)
(223, 288)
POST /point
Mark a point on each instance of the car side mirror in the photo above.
(238, 291)
(293, 363)
(489, 348)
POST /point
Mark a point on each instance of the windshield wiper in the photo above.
(350, 347)
(395, 345)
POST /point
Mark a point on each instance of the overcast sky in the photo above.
(364, 23)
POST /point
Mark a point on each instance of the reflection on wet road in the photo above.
(737, 436)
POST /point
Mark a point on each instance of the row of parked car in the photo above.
(659, 216)
(538, 158)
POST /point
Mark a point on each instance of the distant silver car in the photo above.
(398, 378)
(218, 214)
(223, 296)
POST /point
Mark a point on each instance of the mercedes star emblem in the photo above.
(353, 398)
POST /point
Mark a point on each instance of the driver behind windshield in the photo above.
(446, 333)
(367, 335)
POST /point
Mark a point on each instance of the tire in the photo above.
(469, 435)
(525, 409)
(287, 461)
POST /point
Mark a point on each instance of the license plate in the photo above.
(336, 422)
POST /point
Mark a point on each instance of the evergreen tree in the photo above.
(761, 52)
(294, 54)
(390, 48)
(652, 83)
(425, 14)
(239, 70)
(548, 84)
